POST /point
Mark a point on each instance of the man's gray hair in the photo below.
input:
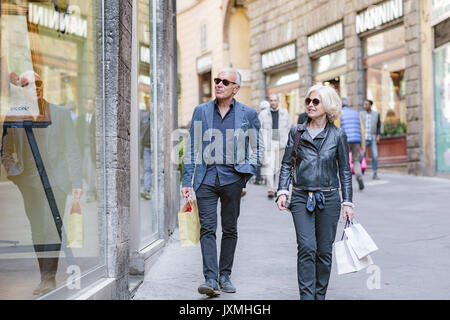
(237, 73)
(345, 102)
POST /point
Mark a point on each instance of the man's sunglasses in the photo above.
(314, 101)
(225, 82)
(38, 83)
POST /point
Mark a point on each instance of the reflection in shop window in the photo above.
(385, 64)
(442, 107)
(48, 85)
(386, 87)
(149, 217)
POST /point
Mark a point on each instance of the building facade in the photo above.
(87, 109)
(212, 35)
(435, 64)
(366, 49)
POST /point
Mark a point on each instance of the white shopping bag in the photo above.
(346, 259)
(360, 241)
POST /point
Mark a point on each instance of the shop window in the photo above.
(384, 41)
(148, 216)
(442, 107)
(50, 111)
(285, 84)
(205, 87)
(385, 78)
(330, 69)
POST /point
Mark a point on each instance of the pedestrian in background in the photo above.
(145, 147)
(372, 128)
(86, 127)
(275, 126)
(216, 176)
(316, 163)
(259, 179)
(353, 126)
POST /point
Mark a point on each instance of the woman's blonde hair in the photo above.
(330, 100)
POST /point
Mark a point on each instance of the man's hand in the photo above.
(187, 192)
(347, 213)
(281, 202)
(76, 194)
(14, 78)
(378, 138)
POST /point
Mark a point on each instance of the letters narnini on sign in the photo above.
(326, 37)
(378, 15)
(68, 23)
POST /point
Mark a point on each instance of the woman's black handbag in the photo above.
(297, 137)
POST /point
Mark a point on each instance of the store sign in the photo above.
(326, 37)
(279, 56)
(67, 23)
(144, 55)
(439, 11)
(375, 16)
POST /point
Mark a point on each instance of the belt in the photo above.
(325, 190)
(315, 199)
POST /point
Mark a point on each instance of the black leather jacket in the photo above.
(317, 168)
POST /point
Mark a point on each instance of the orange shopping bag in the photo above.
(189, 224)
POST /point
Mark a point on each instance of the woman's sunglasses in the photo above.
(225, 82)
(314, 101)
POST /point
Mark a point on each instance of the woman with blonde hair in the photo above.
(316, 162)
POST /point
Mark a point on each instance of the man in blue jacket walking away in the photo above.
(352, 125)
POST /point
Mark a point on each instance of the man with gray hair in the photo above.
(218, 167)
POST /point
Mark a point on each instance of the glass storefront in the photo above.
(384, 61)
(148, 216)
(442, 107)
(52, 221)
(285, 84)
(330, 70)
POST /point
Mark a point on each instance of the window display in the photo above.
(49, 168)
(330, 69)
(385, 64)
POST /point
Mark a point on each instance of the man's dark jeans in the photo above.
(315, 236)
(207, 199)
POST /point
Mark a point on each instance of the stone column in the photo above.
(304, 69)
(116, 142)
(413, 87)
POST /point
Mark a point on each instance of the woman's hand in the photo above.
(347, 212)
(281, 202)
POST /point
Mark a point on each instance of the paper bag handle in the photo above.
(347, 224)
